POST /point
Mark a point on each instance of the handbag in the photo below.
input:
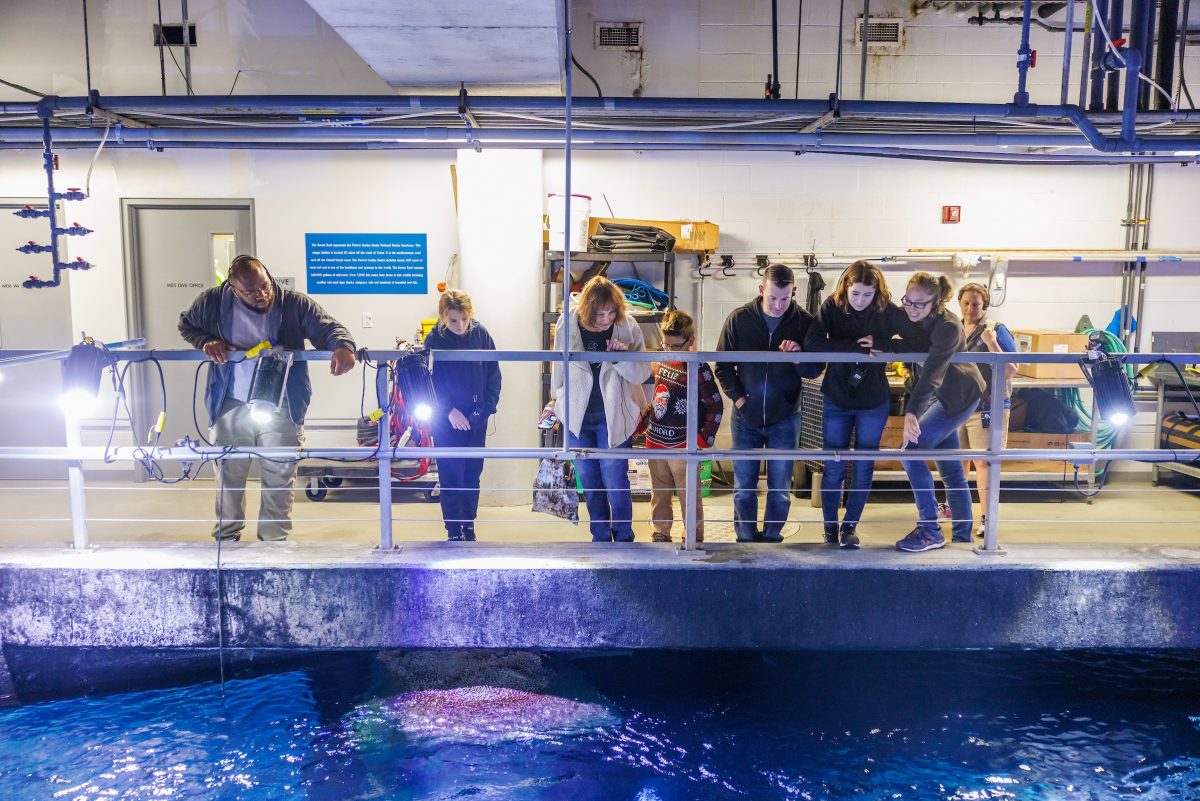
(554, 490)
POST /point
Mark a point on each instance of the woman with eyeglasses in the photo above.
(665, 424)
(606, 402)
(944, 395)
(984, 336)
(859, 317)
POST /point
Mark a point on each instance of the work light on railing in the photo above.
(416, 385)
(81, 372)
(269, 385)
(1106, 374)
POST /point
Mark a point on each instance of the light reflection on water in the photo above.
(645, 727)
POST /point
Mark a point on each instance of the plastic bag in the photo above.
(554, 490)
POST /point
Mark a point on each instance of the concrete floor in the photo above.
(1128, 512)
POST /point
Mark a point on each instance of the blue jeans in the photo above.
(836, 425)
(605, 483)
(782, 434)
(940, 431)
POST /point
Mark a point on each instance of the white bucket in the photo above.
(581, 207)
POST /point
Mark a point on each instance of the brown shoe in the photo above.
(656, 537)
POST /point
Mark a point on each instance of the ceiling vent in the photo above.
(618, 36)
(881, 32)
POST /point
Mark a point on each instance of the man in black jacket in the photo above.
(765, 398)
(247, 309)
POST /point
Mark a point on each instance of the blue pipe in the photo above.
(1133, 68)
(964, 156)
(1024, 57)
(48, 160)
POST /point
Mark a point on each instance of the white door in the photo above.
(175, 249)
(30, 319)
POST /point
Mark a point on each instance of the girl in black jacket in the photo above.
(944, 397)
(858, 317)
(467, 394)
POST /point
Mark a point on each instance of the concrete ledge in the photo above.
(584, 596)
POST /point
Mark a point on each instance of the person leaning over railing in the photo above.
(943, 397)
(985, 336)
(665, 421)
(606, 401)
(766, 398)
(467, 395)
(858, 317)
(247, 309)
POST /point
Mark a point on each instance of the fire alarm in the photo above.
(951, 214)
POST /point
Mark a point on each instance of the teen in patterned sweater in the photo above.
(665, 420)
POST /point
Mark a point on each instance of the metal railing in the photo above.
(75, 454)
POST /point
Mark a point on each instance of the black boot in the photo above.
(831, 533)
(468, 532)
(848, 537)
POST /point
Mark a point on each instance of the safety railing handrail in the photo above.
(75, 453)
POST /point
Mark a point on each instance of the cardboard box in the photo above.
(1027, 439)
(690, 236)
(1038, 341)
(893, 432)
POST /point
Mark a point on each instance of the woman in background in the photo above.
(983, 336)
(606, 400)
(943, 397)
(467, 395)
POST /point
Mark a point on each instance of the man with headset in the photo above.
(249, 308)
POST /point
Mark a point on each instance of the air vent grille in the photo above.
(618, 35)
(881, 32)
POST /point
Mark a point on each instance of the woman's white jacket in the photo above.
(620, 382)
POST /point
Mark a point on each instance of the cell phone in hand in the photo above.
(548, 422)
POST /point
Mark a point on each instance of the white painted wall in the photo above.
(722, 48)
(500, 240)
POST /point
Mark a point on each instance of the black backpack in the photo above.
(1045, 413)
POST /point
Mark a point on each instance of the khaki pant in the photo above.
(974, 436)
(234, 427)
(667, 476)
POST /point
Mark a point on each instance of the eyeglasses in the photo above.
(261, 291)
(676, 345)
(915, 304)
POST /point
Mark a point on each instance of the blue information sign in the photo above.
(367, 264)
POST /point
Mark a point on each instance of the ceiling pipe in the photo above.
(1024, 58)
(317, 107)
(542, 138)
(964, 156)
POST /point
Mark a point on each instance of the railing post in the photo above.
(383, 393)
(991, 494)
(79, 531)
(691, 483)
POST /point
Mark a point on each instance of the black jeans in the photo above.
(459, 478)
